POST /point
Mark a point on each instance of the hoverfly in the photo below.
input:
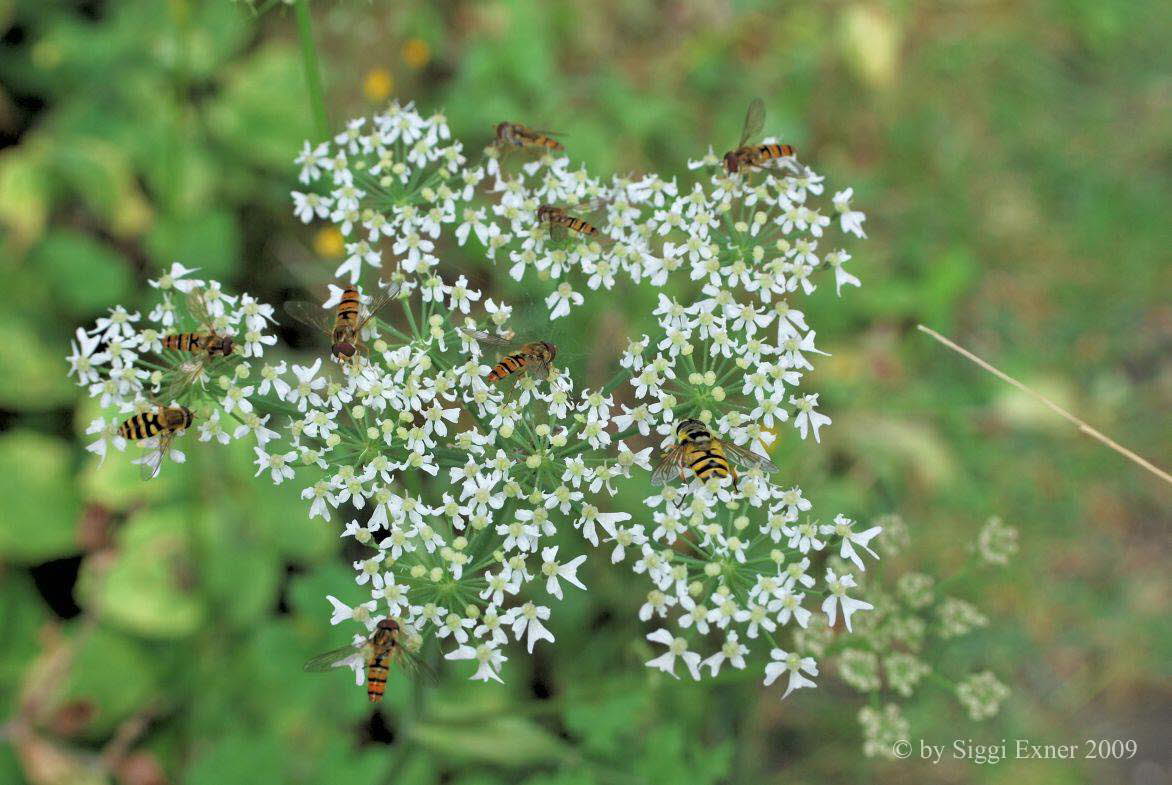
(517, 135)
(535, 358)
(202, 347)
(345, 330)
(559, 221)
(705, 455)
(376, 654)
(164, 422)
(754, 154)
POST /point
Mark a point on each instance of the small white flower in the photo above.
(838, 599)
(676, 647)
(782, 661)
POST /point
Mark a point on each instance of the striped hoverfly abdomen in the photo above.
(375, 656)
(163, 422)
(535, 357)
(517, 135)
(697, 451)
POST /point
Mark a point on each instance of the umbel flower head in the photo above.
(198, 350)
(473, 474)
(516, 463)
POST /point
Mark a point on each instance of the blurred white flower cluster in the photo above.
(902, 644)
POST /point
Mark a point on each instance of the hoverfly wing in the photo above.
(668, 466)
(415, 668)
(341, 657)
(310, 314)
(595, 204)
(754, 121)
(197, 306)
(537, 366)
(557, 232)
(749, 460)
(377, 303)
(183, 377)
(483, 337)
(152, 462)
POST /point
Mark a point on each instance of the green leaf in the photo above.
(40, 502)
(502, 741)
(115, 673)
(25, 194)
(149, 587)
(87, 276)
(23, 613)
(239, 572)
(209, 241)
(32, 371)
(101, 175)
(254, 115)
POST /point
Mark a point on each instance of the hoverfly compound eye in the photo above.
(344, 349)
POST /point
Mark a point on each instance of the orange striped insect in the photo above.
(535, 358)
(350, 317)
(517, 135)
(559, 220)
(376, 655)
(199, 348)
(161, 422)
(754, 154)
(698, 451)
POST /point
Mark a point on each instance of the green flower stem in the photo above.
(618, 379)
(317, 100)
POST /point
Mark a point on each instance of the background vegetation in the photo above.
(1014, 161)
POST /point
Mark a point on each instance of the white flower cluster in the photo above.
(454, 485)
(459, 487)
(123, 363)
(398, 179)
(536, 459)
(754, 233)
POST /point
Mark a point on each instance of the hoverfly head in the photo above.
(731, 162)
(549, 347)
(343, 349)
(226, 345)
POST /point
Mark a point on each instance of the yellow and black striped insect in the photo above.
(198, 348)
(517, 135)
(161, 422)
(376, 655)
(698, 451)
(350, 317)
(535, 358)
(754, 154)
(559, 221)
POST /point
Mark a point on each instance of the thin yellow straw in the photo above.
(1082, 426)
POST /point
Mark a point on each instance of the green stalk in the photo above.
(317, 101)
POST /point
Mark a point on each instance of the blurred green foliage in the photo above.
(1013, 161)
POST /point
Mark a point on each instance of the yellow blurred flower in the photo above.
(329, 243)
(416, 53)
(378, 84)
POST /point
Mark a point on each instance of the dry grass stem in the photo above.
(1082, 426)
